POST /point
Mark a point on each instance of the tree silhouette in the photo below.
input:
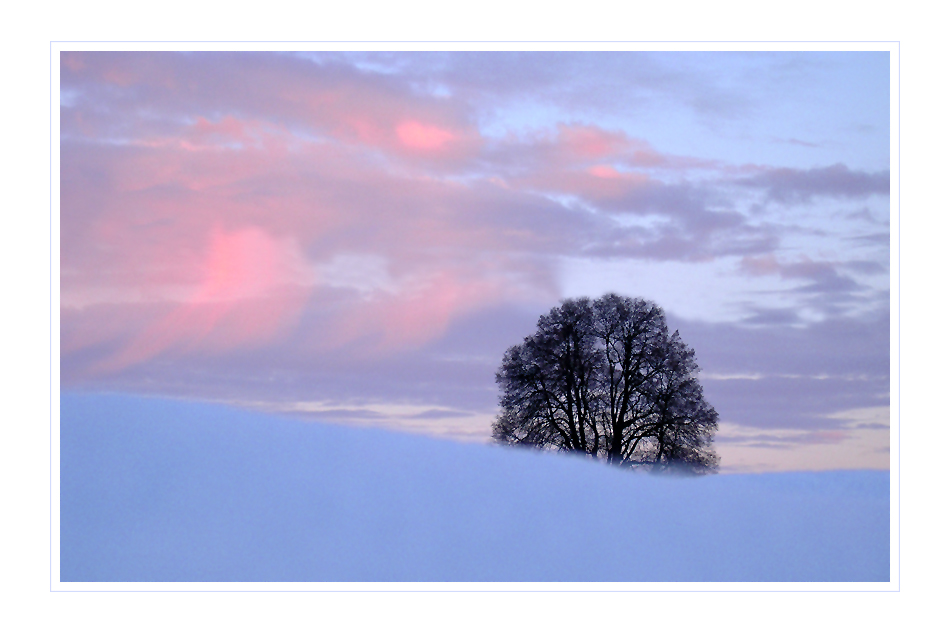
(607, 379)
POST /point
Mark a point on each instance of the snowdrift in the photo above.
(162, 490)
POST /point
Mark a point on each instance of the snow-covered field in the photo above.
(161, 490)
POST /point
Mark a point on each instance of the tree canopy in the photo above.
(606, 378)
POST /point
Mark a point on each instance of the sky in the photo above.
(356, 238)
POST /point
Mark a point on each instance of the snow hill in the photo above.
(162, 490)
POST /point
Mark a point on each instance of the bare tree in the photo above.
(607, 379)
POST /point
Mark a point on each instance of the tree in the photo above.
(606, 378)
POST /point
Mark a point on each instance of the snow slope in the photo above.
(161, 490)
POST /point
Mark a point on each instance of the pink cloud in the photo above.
(410, 137)
(603, 171)
(326, 102)
(196, 218)
(390, 322)
(418, 136)
(425, 314)
(229, 127)
(597, 183)
(254, 286)
(194, 212)
(421, 300)
(583, 144)
(591, 141)
(248, 263)
(72, 61)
